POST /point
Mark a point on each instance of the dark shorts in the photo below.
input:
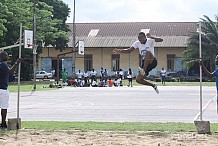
(150, 66)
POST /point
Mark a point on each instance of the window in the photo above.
(115, 62)
(88, 63)
(171, 62)
(93, 33)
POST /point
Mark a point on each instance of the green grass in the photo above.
(129, 127)
(28, 86)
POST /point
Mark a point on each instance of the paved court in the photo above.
(119, 104)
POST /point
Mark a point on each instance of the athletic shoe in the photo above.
(141, 70)
(155, 88)
(3, 126)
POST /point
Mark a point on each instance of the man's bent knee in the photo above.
(139, 78)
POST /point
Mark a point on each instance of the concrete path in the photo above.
(115, 104)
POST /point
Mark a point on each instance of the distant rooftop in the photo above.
(133, 28)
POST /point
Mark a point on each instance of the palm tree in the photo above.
(209, 40)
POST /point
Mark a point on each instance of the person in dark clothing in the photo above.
(5, 71)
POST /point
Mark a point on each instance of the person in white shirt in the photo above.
(86, 79)
(129, 76)
(53, 72)
(79, 77)
(163, 74)
(145, 44)
(121, 77)
(94, 83)
(105, 75)
(93, 74)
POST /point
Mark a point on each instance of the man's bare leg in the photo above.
(140, 79)
(148, 60)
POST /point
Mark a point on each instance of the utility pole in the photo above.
(74, 41)
(34, 45)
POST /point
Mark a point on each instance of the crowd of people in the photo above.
(103, 79)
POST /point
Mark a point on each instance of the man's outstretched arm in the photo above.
(128, 50)
(156, 39)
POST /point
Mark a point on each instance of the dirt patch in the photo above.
(69, 138)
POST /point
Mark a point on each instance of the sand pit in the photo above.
(72, 138)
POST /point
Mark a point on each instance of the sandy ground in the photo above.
(69, 138)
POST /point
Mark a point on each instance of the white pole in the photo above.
(200, 56)
(19, 68)
(34, 46)
(74, 40)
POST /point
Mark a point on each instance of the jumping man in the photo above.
(145, 44)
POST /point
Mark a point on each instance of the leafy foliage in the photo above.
(50, 26)
(209, 41)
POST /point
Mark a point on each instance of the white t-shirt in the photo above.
(79, 75)
(148, 46)
(162, 73)
(94, 83)
(129, 76)
(121, 73)
(86, 75)
(93, 73)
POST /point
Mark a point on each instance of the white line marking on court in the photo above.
(204, 108)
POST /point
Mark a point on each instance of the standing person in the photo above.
(79, 78)
(129, 76)
(211, 74)
(163, 75)
(105, 75)
(86, 75)
(53, 73)
(64, 74)
(5, 71)
(121, 77)
(93, 74)
(101, 74)
(145, 44)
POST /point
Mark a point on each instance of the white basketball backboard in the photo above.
(81, 47)
(28, 39)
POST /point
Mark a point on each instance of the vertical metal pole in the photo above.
(200, 56)
(19, 68)
(58, 70)
(34, 45)
(74, 40)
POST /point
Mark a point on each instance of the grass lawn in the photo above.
(28, 86)
(130, 127)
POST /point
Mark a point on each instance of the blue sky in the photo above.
(142, 10)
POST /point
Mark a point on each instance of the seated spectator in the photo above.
(94, 83)
(117, 82)
(110, 82)
(65, 84)
(71, 82)
(100, 84)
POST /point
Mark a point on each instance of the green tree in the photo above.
(60, 12)
(209, 37)
(15, 12)
(4, 14)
